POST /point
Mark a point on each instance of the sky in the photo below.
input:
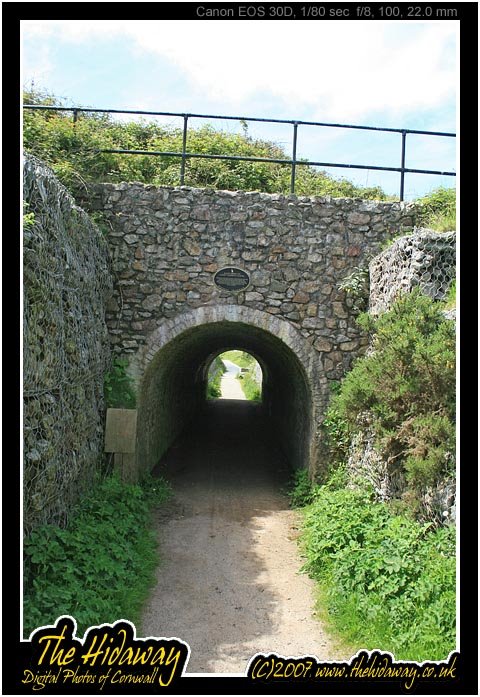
(384, 74)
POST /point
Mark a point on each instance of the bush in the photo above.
(251, 388)
(300, 489)
(101, 566)
(388, 581)
(438, 210)
(73, 151)
(406, 386)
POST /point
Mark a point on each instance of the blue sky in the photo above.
(390, 74)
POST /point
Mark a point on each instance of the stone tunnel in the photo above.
(174, 367)
(170, 318)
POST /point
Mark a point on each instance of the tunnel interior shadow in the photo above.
(173, 390)
(229, 439)
(215, 590)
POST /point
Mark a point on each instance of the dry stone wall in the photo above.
(67, 281)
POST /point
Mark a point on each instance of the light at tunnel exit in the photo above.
(235, 374)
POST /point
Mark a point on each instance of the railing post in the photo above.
(75, 116)
(294, 157)
(402, 165)
(184, 149)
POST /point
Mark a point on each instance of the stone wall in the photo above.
(425, 259)
(67, 280)
(168, 243)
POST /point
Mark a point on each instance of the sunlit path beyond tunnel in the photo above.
(229, 582)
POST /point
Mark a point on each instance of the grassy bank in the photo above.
(384, 581)
(101, 566)
(215, 373)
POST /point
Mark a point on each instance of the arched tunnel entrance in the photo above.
(229, 582)
(173, 387)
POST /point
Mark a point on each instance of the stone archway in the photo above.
(170, 374)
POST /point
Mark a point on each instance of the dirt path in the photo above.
(230, 387)
(229, 583)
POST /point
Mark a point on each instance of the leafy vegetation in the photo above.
(216, 371)
(119, 389)
(357, 288)
(28, 217)
(386, 578)
(406, 390)
(300, 490)
(251, 389)
(388, 581)
(451, 297)
(74, 152)
(438, 210)
(101, 566)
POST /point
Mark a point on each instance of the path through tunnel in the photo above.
(174, 388)
(229, 582)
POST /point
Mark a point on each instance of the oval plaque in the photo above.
(231, 278)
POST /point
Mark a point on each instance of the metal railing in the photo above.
(293, 162)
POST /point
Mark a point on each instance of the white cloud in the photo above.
(340, 71)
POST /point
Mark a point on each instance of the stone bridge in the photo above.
(170, 318)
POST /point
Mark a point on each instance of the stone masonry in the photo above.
(426, 259)
(167, 243)
(170, 319)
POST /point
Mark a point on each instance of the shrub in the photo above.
(251, 388)
(438, 210)
(300, 489)
(407, 388)
(73, 151)
(119, 389)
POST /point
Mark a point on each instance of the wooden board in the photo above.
(121, 430)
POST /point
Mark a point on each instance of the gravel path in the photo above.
(229, 583)
(230, 387)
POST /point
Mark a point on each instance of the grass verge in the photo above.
(385, 581)
(99, 568)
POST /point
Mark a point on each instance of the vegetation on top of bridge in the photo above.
(71, 149)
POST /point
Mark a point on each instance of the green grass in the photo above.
(451, 297)
(240, 358)
(385, 581)
(101, 566)
(438, 210)
(251, 388)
